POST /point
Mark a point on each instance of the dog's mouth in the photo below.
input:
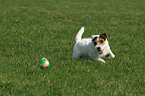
(100, 51)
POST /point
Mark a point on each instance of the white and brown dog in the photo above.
(95, 47)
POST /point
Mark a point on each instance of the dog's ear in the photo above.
(104, 35)
(93, 36)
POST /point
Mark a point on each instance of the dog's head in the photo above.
(100, 42)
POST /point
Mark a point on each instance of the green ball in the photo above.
(44, 63)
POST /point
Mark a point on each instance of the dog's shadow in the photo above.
(88, 58)
(79, 59)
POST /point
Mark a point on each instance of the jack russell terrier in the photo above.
(95, 47)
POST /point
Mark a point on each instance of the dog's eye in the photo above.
(101, 41)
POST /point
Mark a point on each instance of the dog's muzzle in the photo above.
(99, 50)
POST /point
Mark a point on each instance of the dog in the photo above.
(95, 47)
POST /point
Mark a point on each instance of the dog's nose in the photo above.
(98, 48)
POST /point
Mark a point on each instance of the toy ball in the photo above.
(44, 63)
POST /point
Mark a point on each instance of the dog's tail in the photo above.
(79, 35)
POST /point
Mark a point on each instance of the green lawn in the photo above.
(32, 29)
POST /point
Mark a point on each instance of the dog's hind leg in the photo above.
(75, 56)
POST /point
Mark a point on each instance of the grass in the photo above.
(32, 29)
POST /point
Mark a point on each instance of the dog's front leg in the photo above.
(111, 54)
(99, 59)
(96, 58)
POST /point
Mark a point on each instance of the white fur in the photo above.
(85, 47)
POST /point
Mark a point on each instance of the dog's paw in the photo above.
(109, 56)
(113, 56)
(103, 61)
(99, 59)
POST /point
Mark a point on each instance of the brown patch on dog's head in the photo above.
(104, 36)
(102, 39)
(99, 39)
